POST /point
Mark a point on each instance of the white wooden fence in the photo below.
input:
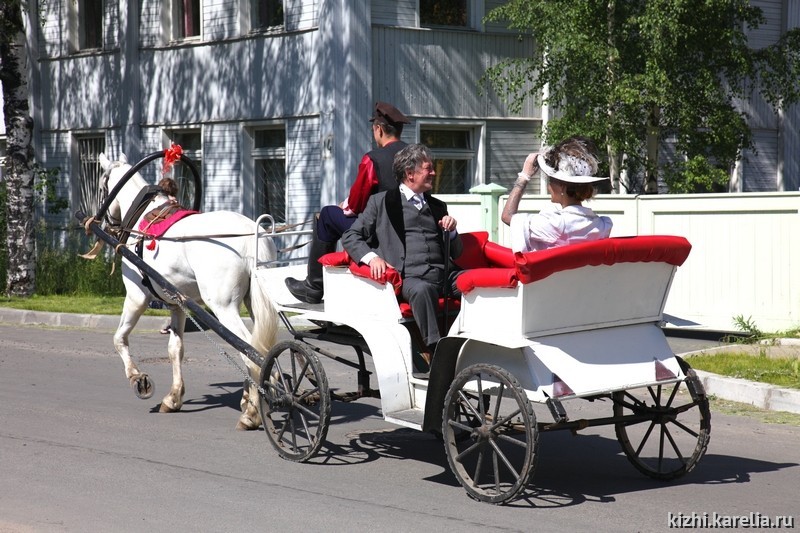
(745, 256)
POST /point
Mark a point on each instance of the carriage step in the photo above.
(411, 418)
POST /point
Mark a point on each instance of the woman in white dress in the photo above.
(571, 167)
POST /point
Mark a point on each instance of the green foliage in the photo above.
(622, 72)
(779, 371)
(747, 325)
(60, 271)
(695, 176)
(44, 189)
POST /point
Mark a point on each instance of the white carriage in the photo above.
(578, 322)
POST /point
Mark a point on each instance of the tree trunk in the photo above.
(651, 177)
(18, 171)
(611, 66)
(614, 171)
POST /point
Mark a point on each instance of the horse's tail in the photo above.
(265, 316)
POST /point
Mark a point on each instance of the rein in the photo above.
(278, 229)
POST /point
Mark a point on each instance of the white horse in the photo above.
(208, 257)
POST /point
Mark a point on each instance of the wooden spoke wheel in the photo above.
(296, 403)
(666, 427)
(490, 433)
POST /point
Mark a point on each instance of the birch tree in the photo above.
(18, 170)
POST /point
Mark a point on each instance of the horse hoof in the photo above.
(142, 386)
(247, 425)
(164, 408)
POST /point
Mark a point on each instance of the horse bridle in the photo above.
(107, 217)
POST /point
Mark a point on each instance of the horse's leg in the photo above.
(173, 401)
(135, 305)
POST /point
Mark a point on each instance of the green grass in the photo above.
(779, 371)
(82, 304)
(94, 305)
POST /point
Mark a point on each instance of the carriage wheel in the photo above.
(490, 433)
(673, 427)
(296, 406)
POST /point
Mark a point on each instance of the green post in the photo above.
(490, 210)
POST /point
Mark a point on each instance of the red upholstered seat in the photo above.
(488, 264)
(453, 304)
(362, 271)
(533, 266)
(478, 253)
(669, 249)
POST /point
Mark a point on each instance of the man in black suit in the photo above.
(404, 228)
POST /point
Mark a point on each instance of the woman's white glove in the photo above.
(529, 168)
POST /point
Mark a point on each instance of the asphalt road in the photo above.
(79, 452)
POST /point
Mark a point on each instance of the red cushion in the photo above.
(533, 266)
(391, 275)
(486, 277)
(498, 255)
(335, 259)
(472, 254)
(362, 271)
(453, 304)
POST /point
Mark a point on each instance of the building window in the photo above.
(454, 157)
(269, 162)
(91, 24)
(85, 24)
(190, 141)
(89, 148)
(186, 19)
(454, 13)
(265, 14)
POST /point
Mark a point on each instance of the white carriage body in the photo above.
(577, 332)
(595, 327)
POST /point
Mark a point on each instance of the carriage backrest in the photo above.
(591, 285)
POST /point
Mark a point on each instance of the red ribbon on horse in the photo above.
(171, 156)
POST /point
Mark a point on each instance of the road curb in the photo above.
(74, 320)
(761, 395)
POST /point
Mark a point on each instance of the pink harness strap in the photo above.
(157, 229)
(160, 228)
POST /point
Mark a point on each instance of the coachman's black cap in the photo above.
(388, 114)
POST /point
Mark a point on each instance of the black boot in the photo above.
(309, 290)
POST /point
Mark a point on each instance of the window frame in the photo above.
(255, 154)
(77, 14)
(175, 27)
(247, 19)
(170, 136)
(87, 203)
(475, 12)
(477, 130)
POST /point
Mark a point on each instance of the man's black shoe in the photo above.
(304, 292)
(422, 364)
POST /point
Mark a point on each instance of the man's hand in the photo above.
(447, 223)
(377, 267)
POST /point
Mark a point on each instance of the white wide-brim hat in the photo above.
(571, 170)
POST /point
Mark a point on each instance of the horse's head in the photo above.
(113, 172)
